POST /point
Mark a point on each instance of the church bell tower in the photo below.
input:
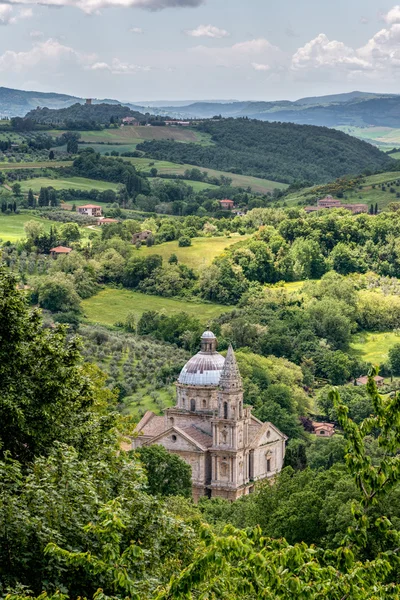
(230, 430)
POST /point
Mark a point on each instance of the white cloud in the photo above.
(243, 54)
(393, 16)
(383, 49)
(8, 16)
(35, 34)
(364, 20)
(117, 67)
(321, 53)
(94, 6)
(260, 67)
(137, 30)
(207, 31)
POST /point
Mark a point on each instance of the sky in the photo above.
(138, 50)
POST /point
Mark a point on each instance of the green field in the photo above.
(111, 306)
(10, 166)
(78, 183)
(12, 226)
(380, 136)
(373, 347)
(135, 135)
(165, 167)
(199, 255)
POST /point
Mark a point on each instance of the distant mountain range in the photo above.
(360, 109)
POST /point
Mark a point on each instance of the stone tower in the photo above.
(230, 430)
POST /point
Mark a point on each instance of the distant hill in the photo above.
(81, 116)
(355, 108)
(282, 152)
(16, 103)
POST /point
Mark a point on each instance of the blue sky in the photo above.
(192, 49)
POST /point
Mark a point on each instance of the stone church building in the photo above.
(227, 448)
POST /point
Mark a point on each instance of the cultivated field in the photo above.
(197, 256)
(11, 166)
(111, 306)
(77, 183)
(12, 226)
(136, 135)
(164, 167)
(197, 186)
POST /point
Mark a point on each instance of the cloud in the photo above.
(9, 17)
(364, 20)
(393, 16)
(207, 31)
(43, 54)
(94, 6)
(117, 67)
(321, 53)
(260, 67)
(243, 54)
(137, 30)
(35, 34)
(383, 49)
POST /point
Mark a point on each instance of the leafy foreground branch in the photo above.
(77, 519)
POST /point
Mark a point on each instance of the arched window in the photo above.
(240, 410)
(225, 410)
(171, 421)
(204, 403)
(193, 405)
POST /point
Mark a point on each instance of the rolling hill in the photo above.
(278, 151)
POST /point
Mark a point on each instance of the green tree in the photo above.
(70, 232)
(31, 199)
(57, 293)
(167, 474)
(16, 188)
(394, 359)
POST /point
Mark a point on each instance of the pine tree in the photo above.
(31, 199)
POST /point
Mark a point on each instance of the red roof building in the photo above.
(60, 250)
(226, 204)
(364, 380)
(90, 210)
(323, 429)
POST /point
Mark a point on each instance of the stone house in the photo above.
(141, 236)
(226, 204)
(364, 380)
(228, 449)
(323, 429)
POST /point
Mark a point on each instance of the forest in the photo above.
(81, 116)
(279, 151)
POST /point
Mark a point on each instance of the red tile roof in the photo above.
(89, 206)
(61, 250)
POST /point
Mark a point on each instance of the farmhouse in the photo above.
(364, 380)
(226, 204)
(141, 236)
(227, 448)
(323, 429)
(130, 121)
(105, 221)
(91, 210)
(54, 252)
(330, 202)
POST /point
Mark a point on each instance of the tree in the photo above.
(173, 259)
(31, 199)
(184, 241)
(51, 155)
(33, 230)
(57, 293)
(43, 197)
(70, 232)
(16, 188)
(376, 208)
(394, 359)
(167, 474)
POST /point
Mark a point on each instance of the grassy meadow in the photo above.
(78, 183)
(12, 226)
(197, 186)
(11, 166)
(199, 255)
(374, 346)
(111, 306)
(380, 136)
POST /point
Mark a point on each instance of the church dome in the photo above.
(205, 368)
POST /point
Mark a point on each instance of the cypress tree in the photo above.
(31, 199)
(376, 208)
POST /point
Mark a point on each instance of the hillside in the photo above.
(16, 103)
(279, 151)
(80, 114)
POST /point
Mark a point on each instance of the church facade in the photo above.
(228, 449)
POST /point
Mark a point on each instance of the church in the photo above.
(227, 448)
